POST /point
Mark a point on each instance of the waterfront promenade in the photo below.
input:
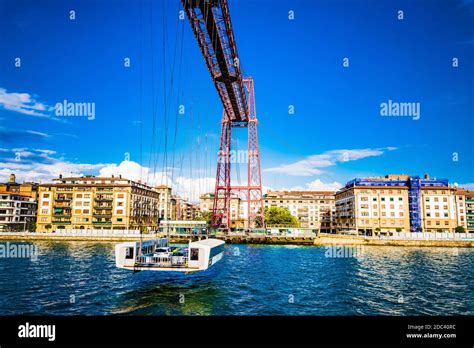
(421, 239)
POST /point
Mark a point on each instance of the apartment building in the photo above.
(470, 211)
(96, 203)
(439, 209)
(17, 212)
(314, 209)
(460, 198)
(167, 205)
(396, 202)
(29, 189)
(185, 210)
(17, 205)
(238, 211)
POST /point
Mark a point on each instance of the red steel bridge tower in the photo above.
(210, 22)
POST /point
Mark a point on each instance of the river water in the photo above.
(80, 278)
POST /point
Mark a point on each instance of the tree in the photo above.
(280, 216)
(48, 227)
(398, 229)
(460, 229)
(419, 229)
(205, 216)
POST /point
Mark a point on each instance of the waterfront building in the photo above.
(460, 198)
(185, 210)
(17, 205)
(91, 202)
(29, 189)
(470, 211)
(167, 205)
(314, 209)
(396, 202)
(238, 211)
(17, 211)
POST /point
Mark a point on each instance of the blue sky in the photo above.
(336, 132)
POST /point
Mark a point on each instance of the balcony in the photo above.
(103, 199)
(108, 222)
(102, 214)
(63, 198)
(62, 222)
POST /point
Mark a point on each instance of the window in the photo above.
(383, 199)
(119, 212)
(374, 199)
(85, 211)
(46, 195)
(391, 199)
(445, 214)
(45, 203)
(120, 195)
(194, 254)
(79, 195)
(77, 211)
(44, 211)
(400, 198)
(129, 253)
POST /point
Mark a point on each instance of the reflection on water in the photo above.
(74, 278)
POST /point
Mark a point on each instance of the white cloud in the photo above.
(190, 188)
(39, 165)
(23, 103)
(311, 165)
(468, 186)
(316, 185)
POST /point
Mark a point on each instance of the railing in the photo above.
(164, 262)
(82, 233)
(428, 236)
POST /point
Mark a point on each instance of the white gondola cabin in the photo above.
(157, 255)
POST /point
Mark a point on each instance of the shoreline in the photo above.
(321, 240)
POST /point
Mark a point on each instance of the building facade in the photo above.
(167, 205)
(96, 203)
(314, 209)
(17, 205)
(17, 212)
(470, 211)
(185, 210)
(397, 203)
(238, 212)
